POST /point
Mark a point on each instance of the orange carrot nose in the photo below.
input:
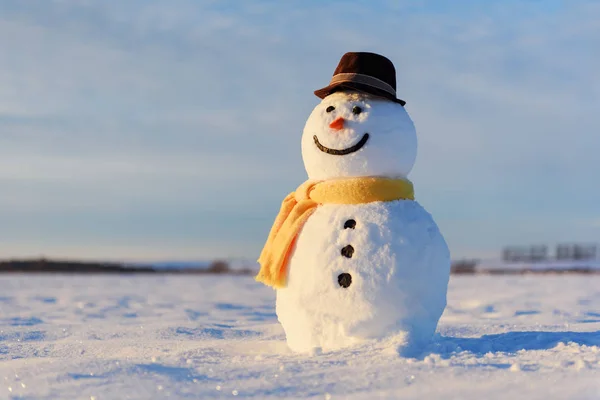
(337, 124)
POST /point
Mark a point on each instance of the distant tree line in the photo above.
(563, 252)
(44, 265)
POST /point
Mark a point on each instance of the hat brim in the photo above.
(359, 87)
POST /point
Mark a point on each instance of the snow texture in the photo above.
(399, 276)
(208, 337)
(390, 151)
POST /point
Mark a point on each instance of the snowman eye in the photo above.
(329, 109)
(356, 110)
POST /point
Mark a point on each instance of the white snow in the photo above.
(203, 337)
(391, 148)
(399, 271)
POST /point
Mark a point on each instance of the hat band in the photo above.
(365, 80)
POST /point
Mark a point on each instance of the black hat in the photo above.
(364, 72)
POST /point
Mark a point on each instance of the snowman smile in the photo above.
(342, 152)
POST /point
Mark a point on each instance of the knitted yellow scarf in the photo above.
(299, 205)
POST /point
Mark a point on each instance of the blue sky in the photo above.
(150, 130)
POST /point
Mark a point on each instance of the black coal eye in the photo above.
(356, 110)
(330, 109)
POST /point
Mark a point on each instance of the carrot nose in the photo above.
(337, 124)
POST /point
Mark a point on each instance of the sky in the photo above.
(154, 130)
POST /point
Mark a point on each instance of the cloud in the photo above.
(142, 113)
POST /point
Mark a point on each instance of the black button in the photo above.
(344, 280)
(348, 251)
(350, 224)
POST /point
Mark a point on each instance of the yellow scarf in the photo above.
(299, 205)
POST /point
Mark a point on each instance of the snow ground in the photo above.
(204, 337)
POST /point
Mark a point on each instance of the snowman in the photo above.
(352, 255)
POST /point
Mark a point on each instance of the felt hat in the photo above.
(364, 72)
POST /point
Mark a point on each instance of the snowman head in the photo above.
(352, 134)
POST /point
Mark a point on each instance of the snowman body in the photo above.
(368, 270)
(393, 261)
